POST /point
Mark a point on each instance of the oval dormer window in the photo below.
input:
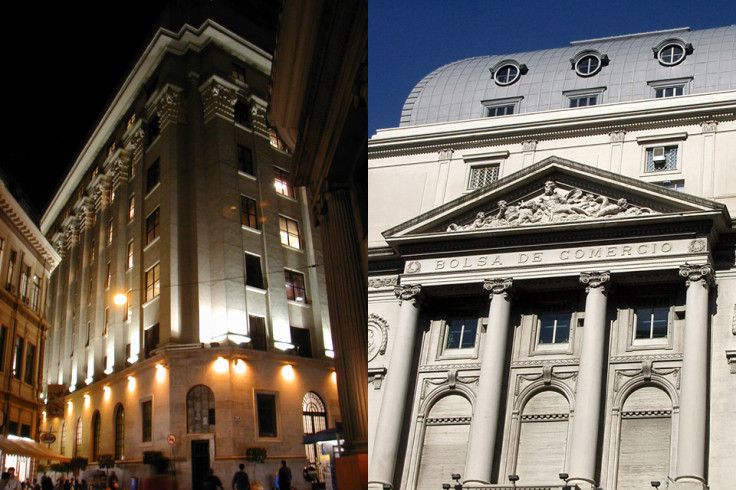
(507, 74)
(588, 65)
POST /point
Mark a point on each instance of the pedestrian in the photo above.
(212, 482)
(240, 479)
(13, 482)
(284, 476)
(160, 481)
(112, 481)
(46, 482)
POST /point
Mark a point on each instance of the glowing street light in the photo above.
(120, 299)
(221, 365)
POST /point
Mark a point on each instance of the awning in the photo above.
(332, 434)
(27, 447)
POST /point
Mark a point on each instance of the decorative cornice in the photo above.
(169, 107)
(641, 414)
(258, 112)
(449, 421)
(595, 279)
(218, 98)
(698, 273)
(382, 282)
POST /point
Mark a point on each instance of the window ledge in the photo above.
(297, 303)
(252, 230)
(288, 198)
(147, 303)
(145, 249)
(289, 247)
(148, 194)
(247, 175)
(153, 143)
(245, 128)
(644, 140)
(255, 289)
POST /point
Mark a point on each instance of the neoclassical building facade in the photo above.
(551, 270)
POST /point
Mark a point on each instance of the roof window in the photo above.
(507, 72)
(588, 63)
(671, 52)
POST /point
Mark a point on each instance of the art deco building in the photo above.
(26, 262)
(188, 312)
(551, 277)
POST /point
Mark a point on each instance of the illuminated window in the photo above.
(108, 276)
(25, 272)
(128, 310)
(11, 269)
(119, 432)
(282, 182)
(131, 208)
(153, 175)
(295, 286)
(146, 420)
(248, 212)
(78, 438)
(129, 263)
(289, 230)
(266, 411)
(153, 223)
(245, 160)
(17, 356)
(153, 282)
(96, 436)
(35, 291)
(30, 363)
(200, 410)
(62, 437)
(107, 320)
(314, 419)
(253, 272)
(238, 73)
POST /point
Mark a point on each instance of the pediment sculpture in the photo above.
(555, 205)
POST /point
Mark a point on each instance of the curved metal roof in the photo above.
(456, 91)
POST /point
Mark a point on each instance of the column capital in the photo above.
(595, 279)
(696, 273)
(408, 292)
(499, 286)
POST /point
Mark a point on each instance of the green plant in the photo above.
(60, 467)
(106, 461)
(77, 464)
(255, 455)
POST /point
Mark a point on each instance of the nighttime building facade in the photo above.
(188, 311)
(551, 270)
(26, 261)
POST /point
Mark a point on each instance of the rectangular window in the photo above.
(153, 284)
(146, 420)
(131, 208)
(129, 263)
(282, 182)
(248, 212)
(245, 160)
(25, 430)
(3, 339)
(257, 333)
(35, 292)
(289, 230)
(501, 107)
(151, 87)
(153, 175)
(153, 129)
(500, 110)
(668, 91)
(89, 292)
(107, 321)
(30, 363)
(482, 176)
(295, 286)
(302, 340)
(108, 276)
(92, 251)
(24, 276)
(11, 270)
(17, 356)
(153, 223)
(554, 328)
(241, 114)
(583, 101)
(238, 73)
(150, 340)
(13, 428)
(661, 158)
(652, 323)
(266, 409)
(675, 185)
(128, 311)
(461, 333)
(253, 272)
(89, 331)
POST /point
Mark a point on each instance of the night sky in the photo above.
(63, 62)
(409, 39)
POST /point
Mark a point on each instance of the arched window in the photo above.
(314, 418)
(119, 432)
(200, 410)
(62, 444)
(78, 438)
(95, 435)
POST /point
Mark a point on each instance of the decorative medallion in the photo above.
(697, 246)
(413, 267)
(377, 336)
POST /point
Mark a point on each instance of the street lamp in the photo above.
(513, 479)
(456, 477)
(120, 299)
(564, 477)
(656, 484)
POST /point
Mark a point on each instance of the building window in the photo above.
(153, 175)
(153, 129)
(92, 251)
(200, 410)
(11, 270)
(668, 91)
(107, 321)
(108, 276)
(289, 230)
(3, 339)
(119, 432)
(241, 114)
(153, 282)
(583, 101)
(89, 330)
(131, 208)
(30, 363)
(129, 263)
(17, 357)
(670, 88)
(675, 185)
(245, 160)
(587, 64)
(661, 158)
(128, 309)
(146, 420)
(150, 340)
(153, 222)
(24, 276)
(62, 437)
(89, 292)
(78, 438)
(35, 291)
(266, 411)
(257, 332)
(253, 272)
(652, 323)
(96, 436)
(282, 182)
(507, 73)
(461, 333)
(238, 73)
(295, 286)
(554, 328)
(500, 110)
(314, 419)
(482, 176)
(671, 52)
(302, 341)
(248, 212)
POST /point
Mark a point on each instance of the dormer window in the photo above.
(588, 63)
(671, 52)
(507, 72)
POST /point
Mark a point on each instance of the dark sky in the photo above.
(408, 39)
(62, 62)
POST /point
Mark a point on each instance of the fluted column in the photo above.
(386, 443)
(583, 443)
(484, 425)
(690, 469)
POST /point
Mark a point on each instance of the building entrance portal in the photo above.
(200, 463)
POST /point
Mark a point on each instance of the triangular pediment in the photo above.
(554, 194)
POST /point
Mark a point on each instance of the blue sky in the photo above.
(408, 39)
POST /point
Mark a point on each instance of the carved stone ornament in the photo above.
(382, 282)
(445, 155)
(413, 267)
(169, 108)
(617, 136)
(498, 286)
(709, 126)
(407, 292)
(646, 371)
(594, 279)
(218, 100)
(377, 336)
(697, 246)
(553, 205)
(695, 273)
(530, 145)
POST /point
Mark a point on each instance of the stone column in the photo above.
(690, 469)
(585, 424)
(484, 424)
(393, 406)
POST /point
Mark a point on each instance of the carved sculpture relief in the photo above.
(377, 336)
(407, 292)
(553, 206)
(450, 381)
(382, 282)
(696, 273)
(218, 100)
(646, 371)
(445, 155)
(547, 374)
(169, 107)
